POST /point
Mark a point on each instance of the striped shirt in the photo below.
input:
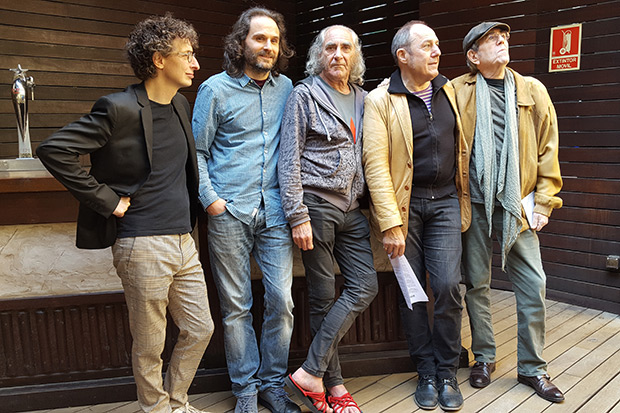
(426, 96)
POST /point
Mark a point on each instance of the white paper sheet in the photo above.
(408, 282)
(528, 207)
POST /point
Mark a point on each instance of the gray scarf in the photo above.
(499, 181)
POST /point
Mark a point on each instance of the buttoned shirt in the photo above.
(236, 125)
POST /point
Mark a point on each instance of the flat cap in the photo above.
(480, 30)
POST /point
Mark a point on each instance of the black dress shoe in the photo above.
(543, 387)
(426, 395)
(277, 401)
(450, 397)
(480, 375)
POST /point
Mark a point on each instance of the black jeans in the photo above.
(342, 237)
(433, 244)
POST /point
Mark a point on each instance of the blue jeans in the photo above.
(342, 237)
(230, 244)
(433, 244)
(528, 279)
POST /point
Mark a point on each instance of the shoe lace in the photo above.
(427, 379)
(280, 394)
(340, 403)
(451, 381)
(245, 403)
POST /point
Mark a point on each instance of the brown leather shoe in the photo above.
(480, 375)
(543, 387)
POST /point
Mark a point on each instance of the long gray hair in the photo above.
(314, 64)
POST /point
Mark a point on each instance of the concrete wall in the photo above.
(41, 260)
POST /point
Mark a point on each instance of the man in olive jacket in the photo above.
(140, 197)
(511, 130)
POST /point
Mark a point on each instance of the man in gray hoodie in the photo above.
(321, 180)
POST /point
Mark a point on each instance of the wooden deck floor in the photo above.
(582, 348)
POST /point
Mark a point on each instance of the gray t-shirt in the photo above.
(345, 105)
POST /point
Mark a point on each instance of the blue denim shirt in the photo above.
(236, 125)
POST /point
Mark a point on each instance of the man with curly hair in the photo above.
(237, 128)
(141, 197)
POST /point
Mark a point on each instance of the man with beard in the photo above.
(236, 123)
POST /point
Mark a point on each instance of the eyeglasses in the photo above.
(190, 56)
(494, 37)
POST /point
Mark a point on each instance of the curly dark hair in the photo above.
(234, 43)
(155, 34)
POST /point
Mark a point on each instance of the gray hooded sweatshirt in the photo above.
(318, 150)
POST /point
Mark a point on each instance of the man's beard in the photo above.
(251, 59)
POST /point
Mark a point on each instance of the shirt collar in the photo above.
(245, 79)
(398, 87)
(396, 84)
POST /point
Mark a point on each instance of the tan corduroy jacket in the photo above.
(388, 159)
(538, 137)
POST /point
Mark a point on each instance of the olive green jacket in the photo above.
(539, 165)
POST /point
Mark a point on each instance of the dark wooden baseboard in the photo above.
(119, 389)
(76, 350)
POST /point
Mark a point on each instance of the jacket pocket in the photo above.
(321, 162)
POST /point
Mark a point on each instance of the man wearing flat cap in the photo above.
(511, 131)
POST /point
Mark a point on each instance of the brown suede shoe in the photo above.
(480, 375)
(543, 387)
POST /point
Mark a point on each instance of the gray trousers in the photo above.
(525, 271)
(342, 237)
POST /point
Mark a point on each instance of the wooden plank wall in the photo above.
(77, 336)
(587, 229)
(375, 22)
(74, 51)
(86, 336)
(580, 235)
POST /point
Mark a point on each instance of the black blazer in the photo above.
(118, 135)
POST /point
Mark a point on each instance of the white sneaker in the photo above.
(188, 409)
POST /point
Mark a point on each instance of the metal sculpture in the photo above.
(22, 89)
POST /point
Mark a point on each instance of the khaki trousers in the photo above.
(162, 273)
